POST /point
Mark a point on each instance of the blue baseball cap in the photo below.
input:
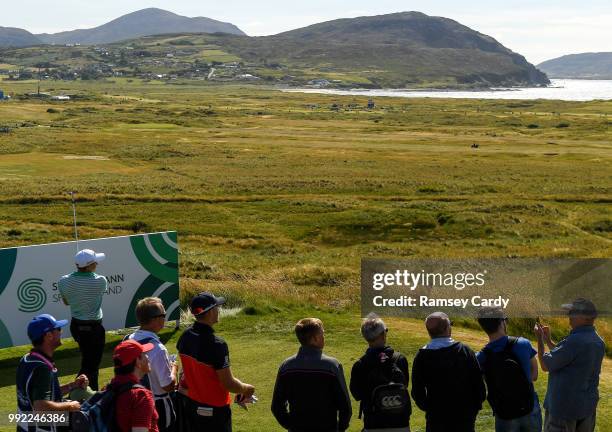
(42, 324)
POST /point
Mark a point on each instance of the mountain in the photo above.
(400, 49)
(14, 37)
(586, 65)
(407, 49)
(144, 22)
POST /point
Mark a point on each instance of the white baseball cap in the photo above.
(87, 257)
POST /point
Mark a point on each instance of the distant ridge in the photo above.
(145, 22)
(15, 37)
(399, 50)
(585, 65)
(407, 47)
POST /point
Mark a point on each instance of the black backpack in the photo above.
(97, 414)
(389, 402)
(510, 392)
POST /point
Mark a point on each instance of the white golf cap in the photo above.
(87, 257)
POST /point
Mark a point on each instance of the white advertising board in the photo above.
(136, 266)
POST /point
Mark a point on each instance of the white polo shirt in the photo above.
(159, 360)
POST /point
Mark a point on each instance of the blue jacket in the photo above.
(574, 366)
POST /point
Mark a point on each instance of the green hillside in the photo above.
(586, 65)
(14, 37)
(395, 50)
(398, 50)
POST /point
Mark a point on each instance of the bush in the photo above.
(533, 126)
(444, 219)
(563, 125)
(603, 226)
(430, 189)
(139, 226)
(316, 275)
(424, 224)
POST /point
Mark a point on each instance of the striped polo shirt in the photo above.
(84, 292)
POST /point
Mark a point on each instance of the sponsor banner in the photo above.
(135, 267)
(522, 287)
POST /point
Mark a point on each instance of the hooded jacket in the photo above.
(448, 382)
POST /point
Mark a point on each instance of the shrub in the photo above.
(604, 226)
(316, 275)
(424, 224)
(139, 226)
(444, 219)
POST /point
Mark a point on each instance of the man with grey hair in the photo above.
(379, 380)
(446, 380)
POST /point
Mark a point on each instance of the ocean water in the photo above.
(560, 89)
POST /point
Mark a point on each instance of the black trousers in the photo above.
(167, 415)
(450, 424)
(90, 336)
(190, 419)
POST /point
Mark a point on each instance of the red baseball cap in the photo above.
(128, 351)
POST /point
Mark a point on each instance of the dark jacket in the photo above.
(310, 393)
(362, 387)
(447, 382)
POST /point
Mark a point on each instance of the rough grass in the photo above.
(277, 197)
(249, 335)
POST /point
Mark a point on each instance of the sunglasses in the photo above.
(159, 316)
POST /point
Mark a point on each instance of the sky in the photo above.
(538, 29)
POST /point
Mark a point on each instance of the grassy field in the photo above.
(277, 196)
(250, 336)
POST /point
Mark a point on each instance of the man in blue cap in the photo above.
(38, 387)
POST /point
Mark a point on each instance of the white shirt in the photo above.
(159, 360)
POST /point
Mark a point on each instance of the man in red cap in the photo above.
(135, 408)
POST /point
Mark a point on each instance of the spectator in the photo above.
(574, 365)
(310, 392)
(161, 380)
(207, 378)
(38, 387)
(134, 406)
(379, 380)
(83, 291)
(510, 368)
(446, 380)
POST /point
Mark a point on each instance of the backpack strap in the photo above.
(510, 345)
(395, 358)
(46, 361)
(124, 388)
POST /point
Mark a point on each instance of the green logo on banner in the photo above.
(5, 336)
(8, 258)
(31, 295)
(158, 254)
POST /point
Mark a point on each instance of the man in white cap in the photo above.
(83, 291)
